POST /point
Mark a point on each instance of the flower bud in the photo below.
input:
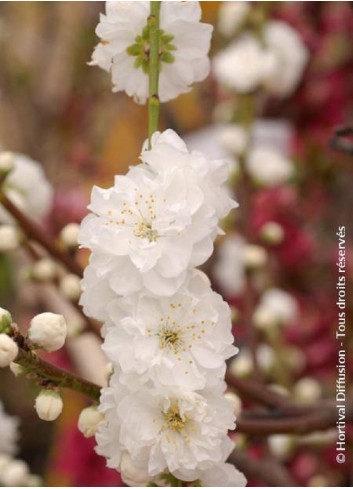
(15, 474)
(7, 162)
(44, 270)
(5, 320)
(241, 365)
(255, 257)
(69, 235)
(272, 233)
(10, 238)
(235, 401)
(48, 405)
(8, 350)
(88, 421)
(281, 446)
(70, 287)
(264, 319)
(307, 389)
(48, 331)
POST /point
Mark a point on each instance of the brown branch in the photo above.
(36, 234)
(316, 420)
(48, 374)
(255, 391)
(265, 470)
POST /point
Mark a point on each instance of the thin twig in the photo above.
(35, 233)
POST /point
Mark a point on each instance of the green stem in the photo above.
(46, 373)
(153, 74)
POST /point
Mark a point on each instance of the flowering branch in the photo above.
(35, 233)
(153, 100)
(48, 374)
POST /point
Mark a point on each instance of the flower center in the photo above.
(170, 338)
(144, 230)
(141, 49)
(173, 419)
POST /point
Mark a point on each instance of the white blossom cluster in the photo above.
(167, 333)
(26, 186)
(184, 43)
(275, 62)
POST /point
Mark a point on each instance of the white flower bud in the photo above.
(235, 401)
(231, 16)
(10, 238)
(69, 235)
(70, 287)
(16, 369)
(307, 389)
(281, 446)
(48, 331)
(5, 320)
(88, 421)
(265, 357)
(44, 270)
(233, 138)
(8, 350)
(15, 474)
(7, 162)
(48, 405)
(254, 257)
(264, 319)
(242, 365)
(272, 233)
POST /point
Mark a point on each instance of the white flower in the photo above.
(9, 238)
(243, 65)
(27, 187)
(5, 320)
(231, 16)
(276, 307)
(9, 432)
(8, 350)
(123, 51)
(164, 430)
(181, 340)
(233, 137)
(88, 421)
(70, 287)
(69, 234)
(48, 331)
(268, 167)
(222, 475)
(48, 405)
(96, 292)
(158, 220)
(291, 55)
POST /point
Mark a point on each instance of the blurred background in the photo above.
(62, 113)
